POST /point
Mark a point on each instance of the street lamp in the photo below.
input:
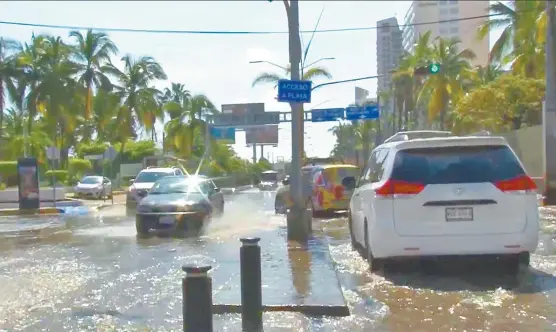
(319, 60)
(270, 63)
(286, 69)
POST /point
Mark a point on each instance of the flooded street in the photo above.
(91, 273)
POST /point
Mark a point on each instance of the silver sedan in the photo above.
(93, 186)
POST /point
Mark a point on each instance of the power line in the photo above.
(209, 32)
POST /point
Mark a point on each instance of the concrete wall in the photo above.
(527, 144)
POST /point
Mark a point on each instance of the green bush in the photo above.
(91, 149)
(60, 175)
(79, 166)
(2, 186)
(8, 172)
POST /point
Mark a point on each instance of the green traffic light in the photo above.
(434, 68)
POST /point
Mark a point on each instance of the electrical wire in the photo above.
(209, 32)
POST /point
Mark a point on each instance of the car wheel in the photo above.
(374, 264)
(351, 235)
(142, 228)
(511, 265)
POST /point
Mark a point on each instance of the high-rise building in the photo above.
(389, 49)
(454, 13)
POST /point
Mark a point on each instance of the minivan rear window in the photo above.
(456, 164)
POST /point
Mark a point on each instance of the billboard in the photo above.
(226, 135)
(243, 109)
(262, 135)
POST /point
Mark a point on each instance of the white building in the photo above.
(452, 12)
(389, 49)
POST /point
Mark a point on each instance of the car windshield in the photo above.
(145, 177)
(179, 186)
(91, 180)
(462, 164)
(269, 177)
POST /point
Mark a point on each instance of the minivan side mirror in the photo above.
(285, 182)
(217, 190)
(131, 181)
(349, 182)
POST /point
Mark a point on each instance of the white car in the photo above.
(143, 182)
(444, 196)
(93, 186)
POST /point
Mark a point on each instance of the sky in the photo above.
(218, 65)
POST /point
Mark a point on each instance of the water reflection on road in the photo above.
(92, 273)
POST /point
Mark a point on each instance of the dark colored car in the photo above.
(179, 204)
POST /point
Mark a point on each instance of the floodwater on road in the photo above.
(91, 273)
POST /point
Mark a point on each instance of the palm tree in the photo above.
(92, 53)
(7, 72)
(176, 93)
(273, 78)
(136, 90)
(186, 119)
(404, 79)
(521, 41)
(447, 85)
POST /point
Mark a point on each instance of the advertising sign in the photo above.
(225, 135)
(262, 135)
(243, 109)
(28, 183)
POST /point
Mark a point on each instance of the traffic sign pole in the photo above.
(298, 219)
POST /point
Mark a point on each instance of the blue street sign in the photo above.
(294, 91)
(362, 113)
(223, 134)
(327, 114)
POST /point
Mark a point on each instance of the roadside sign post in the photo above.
(53, 155)
(362, 112)
(326, 115)
(109, 154)
(28, 183)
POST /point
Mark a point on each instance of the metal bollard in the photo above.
(251, 289)
(197, 299)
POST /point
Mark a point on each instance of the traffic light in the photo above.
(432, 69)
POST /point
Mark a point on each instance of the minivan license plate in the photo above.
(167, 220)
(459, 214)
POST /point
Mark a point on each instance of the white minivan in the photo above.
(444, 196)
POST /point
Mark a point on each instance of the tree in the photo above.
(522, 40)
(447, 85)
(136, 90)
(507, 103)
(7, 72)
(92, 53)
(273, 78)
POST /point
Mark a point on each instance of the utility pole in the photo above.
(549, 124)
(299, 219)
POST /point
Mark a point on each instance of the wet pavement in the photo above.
(91, 273)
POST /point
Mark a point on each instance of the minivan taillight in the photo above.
(520, 183)
(395, 187)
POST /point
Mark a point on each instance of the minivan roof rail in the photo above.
(409, 135)
(480, 133)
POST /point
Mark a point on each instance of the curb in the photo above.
(307, 309)
(31, 212)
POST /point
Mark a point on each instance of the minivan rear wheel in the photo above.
(374, 263)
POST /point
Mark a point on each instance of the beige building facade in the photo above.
(452, 11)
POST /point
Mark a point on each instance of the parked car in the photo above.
(180, 204)
(444, 196)
(93, 186)
(324, 189)
(143, 182)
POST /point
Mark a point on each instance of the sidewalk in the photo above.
(294, 279)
